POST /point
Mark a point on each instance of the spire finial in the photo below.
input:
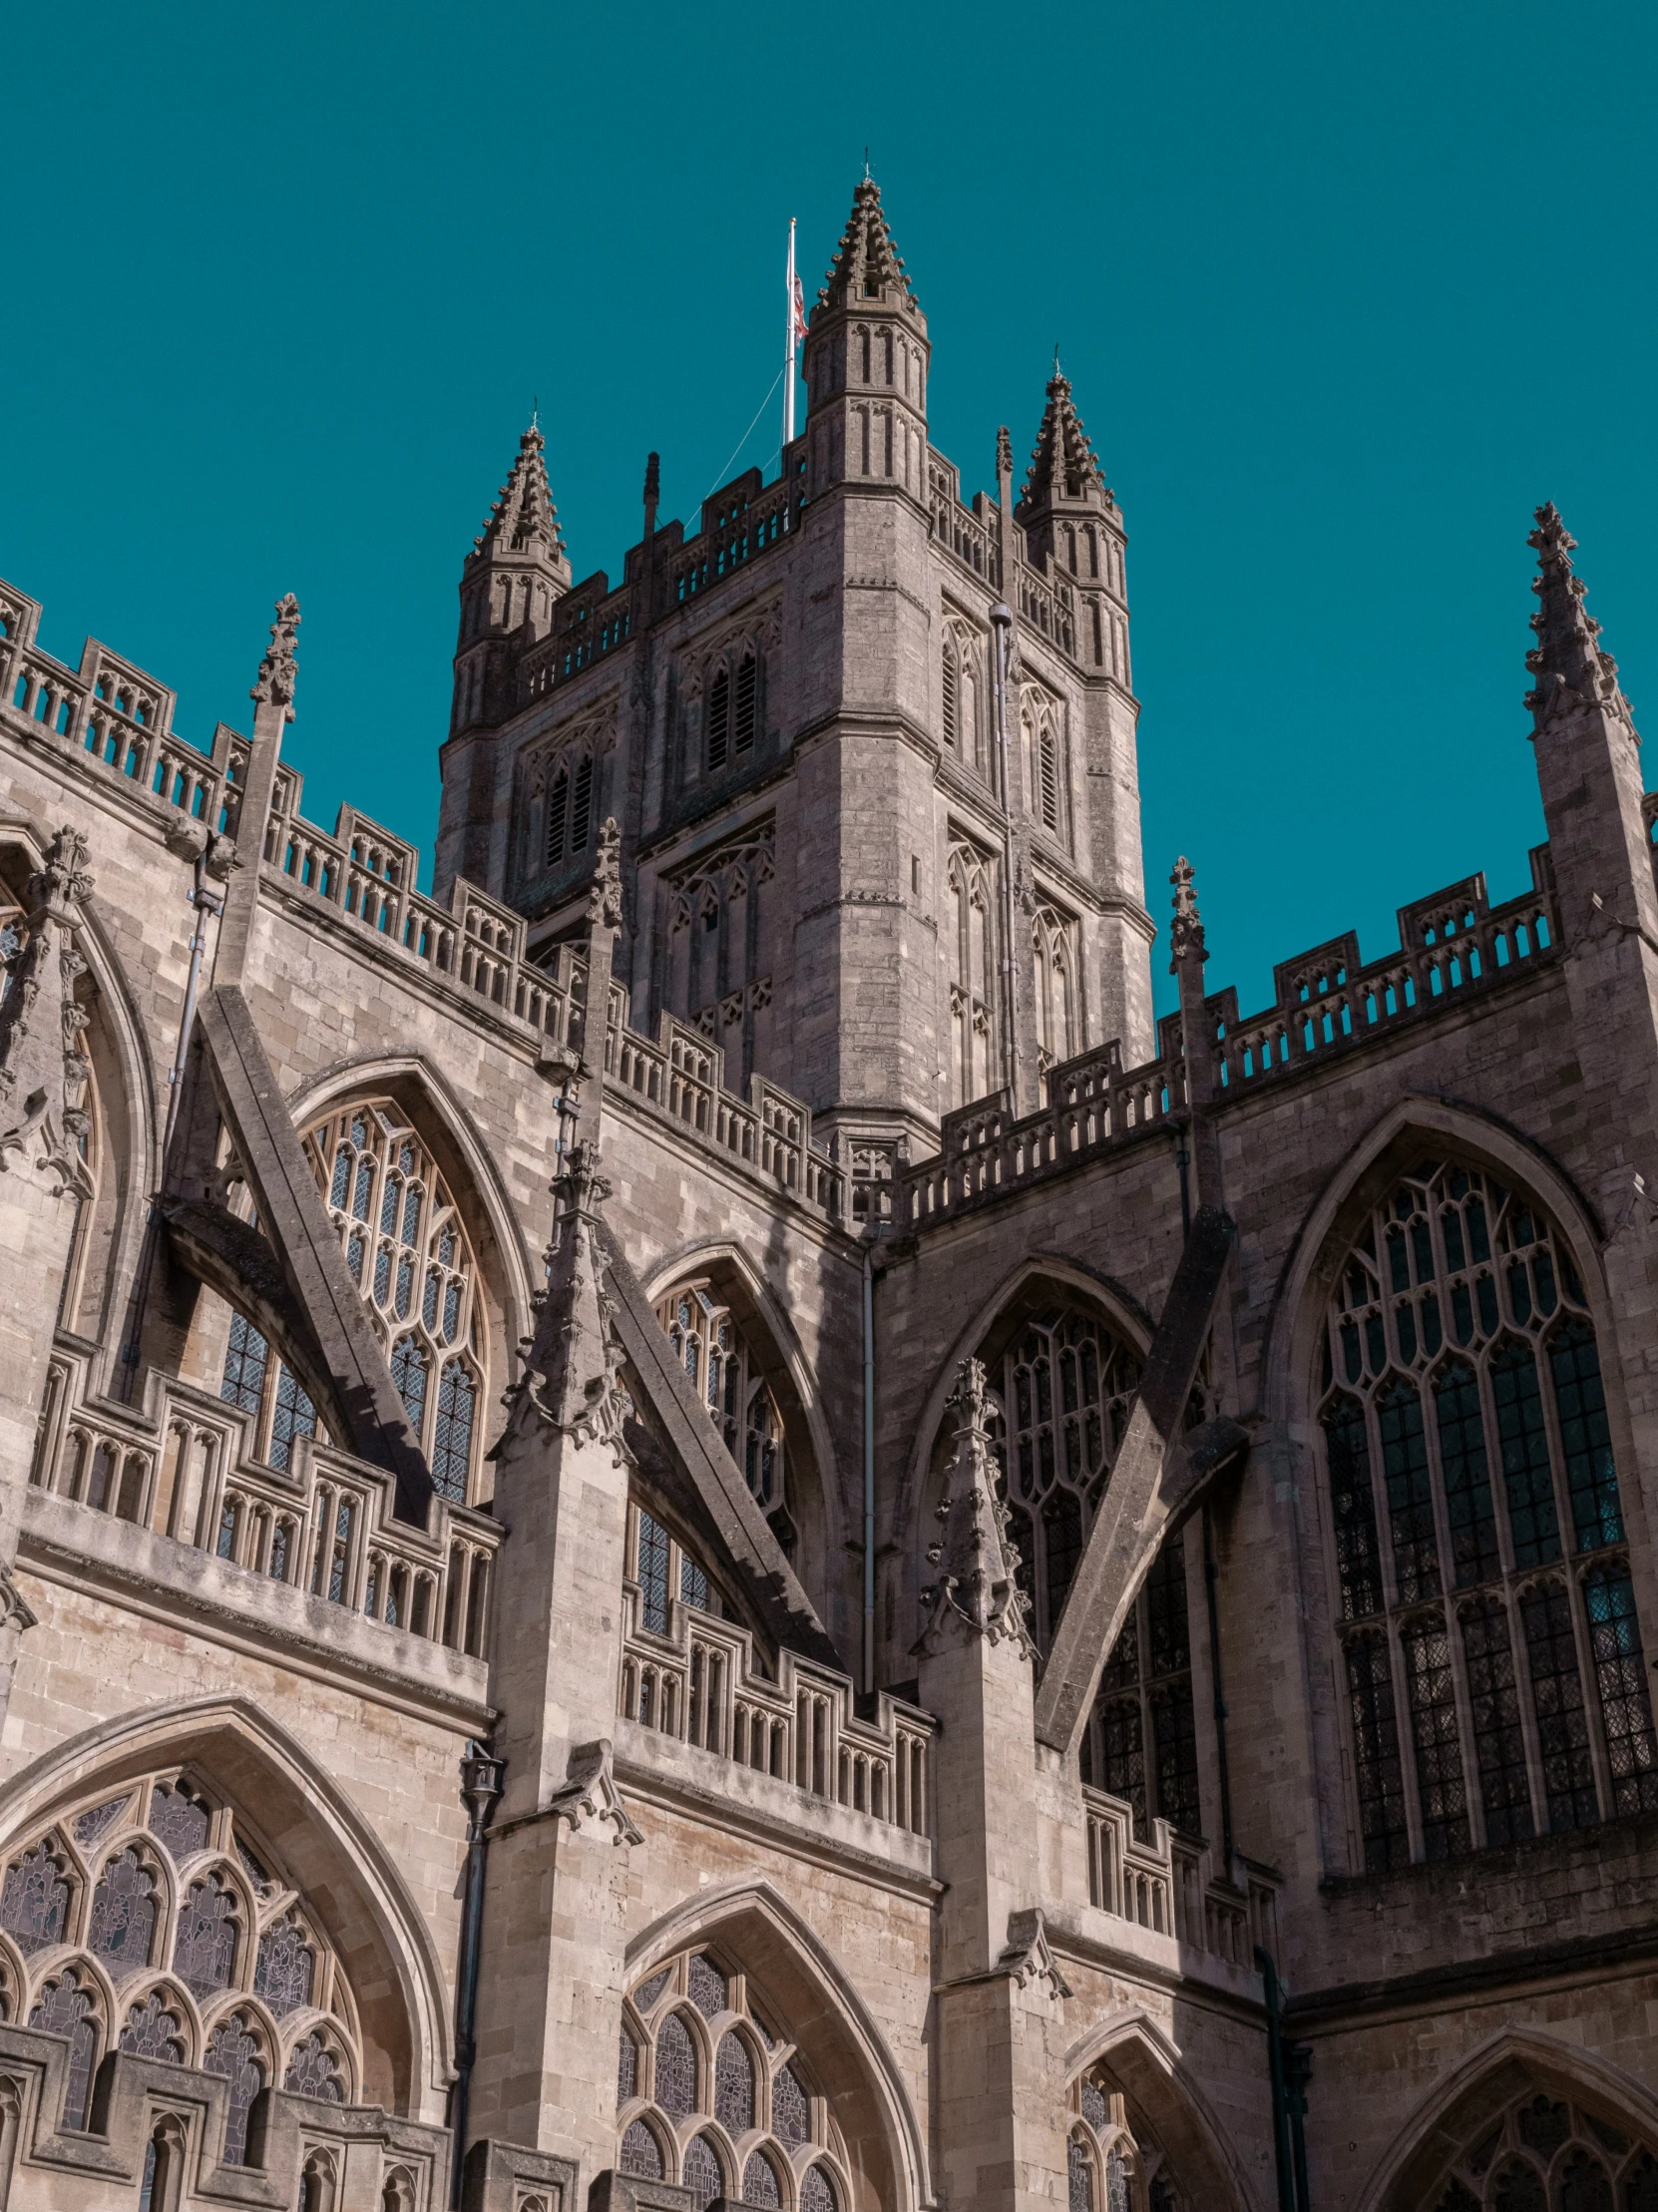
(524, 518)
(535, 408)
(866, 165)
(1573, 670)
(1063, 464)
(273, 685)
(1056, 356)
(867, 265)
(1185, 937)
(975, 1566)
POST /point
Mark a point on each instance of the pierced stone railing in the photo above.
(324, 1525)
(1452, 945)
(739, 522)
(963, 532)
(1171, 1885)
(116, 721)
(699, 1684)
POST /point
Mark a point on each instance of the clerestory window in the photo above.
(1490, 1650)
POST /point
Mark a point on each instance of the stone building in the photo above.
(697, 1521)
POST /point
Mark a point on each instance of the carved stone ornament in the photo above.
(1185, 937)
(572, 1381)
(278, 671)
(605, 892)
(1004, 453)
(14, 1613)
(1026, 1956)
(589, 1796)
(1573, 672)
(1627, 1207)
(44, 1068)
(974, 1586)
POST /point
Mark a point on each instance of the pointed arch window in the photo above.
(409, 1254)
(1115, 2162)
(749, 2112)
(1549, 2152)
(722, 1368)
(242, 1932)
(1476, 1531)
(717, 736)
(972, 951)
(742, 711)
(1053, 937)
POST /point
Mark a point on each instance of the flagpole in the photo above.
(788, 379)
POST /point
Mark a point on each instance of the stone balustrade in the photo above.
(700, 1685)
(1171, 1886)
(324, 1525)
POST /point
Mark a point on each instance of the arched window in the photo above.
(949, 692)
(721, 1369)
(407, 1250)
(971, 950)
(163, 1886)
(743, 703)
(1116, 2163)
(1053, 941)
(1141, 1742)
(717, 727)
(1067, 1381)
(665, 1570)
(1477, 1540)
(1549, 2151)
(756, 2086)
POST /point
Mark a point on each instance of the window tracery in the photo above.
(1549, 2153)
(665, 1570)
(1041, 725)
(715, 956)
(1067, 1382)
(1477, 1540)
(162, 1888)
(971, 949)
(721, 1369)
(960, 693)
(1054, 940)
(563, 796)
(1141, 1740)
(408, 1252)
(1114, 2161)
(709, 2098)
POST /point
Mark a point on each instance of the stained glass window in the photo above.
(652, 1574)
(1499, 1739)
(759, 2181)
(287, 1967)
(179, 1820)
(245, 1357)
(34, 1901)
(314, 2070)
(791, 2113)
(706, 1985)
(204, 1950)
(729, 1379)
(233, 2052)
(627, 2068)
(452, 1443)
(153, 2030)
(1441, 1791)
(90, 1826)
(1381, 1784)
(1141, 1740)
(123, 1911)
(640, 2153)
(1080, 2167)
(701, 2171)
(293, 1416)
(818, 2192)
(1093, 2103)
(734, 2084)
(647, 1992)
(1621, 1678)
(65, 2007)
(1456, 1300)
(1557, 1694)
(1520, 2188)
(676, 2083)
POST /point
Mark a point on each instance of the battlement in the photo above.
(1453, 947)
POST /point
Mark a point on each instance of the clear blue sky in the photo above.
(1344, 291)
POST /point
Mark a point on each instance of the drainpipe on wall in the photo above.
(1290, 2067)
(868, 1460)
(1002, 621)
(481, 1775)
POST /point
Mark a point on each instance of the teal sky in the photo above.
(1344, 291)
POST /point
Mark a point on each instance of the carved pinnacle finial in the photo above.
(572, 1376)
(1004, 453)
(867, 265)
(975, 1561)
(605, 892)
(1064, 463)
(1185, 937)
(1573, 670)
(275, 684)
(653, 478)
(44, 1068)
